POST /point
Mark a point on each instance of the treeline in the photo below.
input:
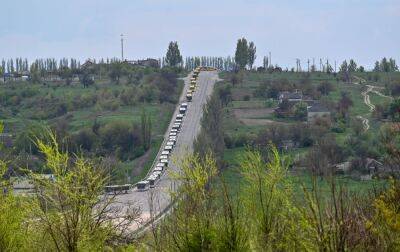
(221, 63)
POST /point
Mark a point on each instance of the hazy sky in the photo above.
(361, 29)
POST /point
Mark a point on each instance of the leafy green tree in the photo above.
(70, 212)
(86, 79)
(300, 110)
(173, 57)
(211, 138)
(377, 67)
(394, 110)
(66, 74)
(352, 66)
(115, 71)
(145, 122)
(242, 53)
(13, 212)
(273, 218)
(325, 87)
(252, 54)
(344, 104)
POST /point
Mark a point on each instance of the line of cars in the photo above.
(164, 158)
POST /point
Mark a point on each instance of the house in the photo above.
(342, 168)
(88, 63)
(317, 111)
(373, 166)
(292, 97)
(145, 63)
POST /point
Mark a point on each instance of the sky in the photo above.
(365, 30)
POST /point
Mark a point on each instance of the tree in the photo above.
(211, 138)
(300, 110)
(12, 212)
(252, 54)
(69, 210)
(377, 67)
(66, 74)
(242, 53)
(394, 110)
(173, 57)
(344, 70)
(145, 121)
(352, 66)
(325, 87)
(115, 71)
(86, 80)
(344, 104)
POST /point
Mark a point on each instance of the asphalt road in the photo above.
(155, 200)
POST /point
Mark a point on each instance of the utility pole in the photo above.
(122, 47)
(270, 59)
(320, 65)
(335, 66)
(308, 65)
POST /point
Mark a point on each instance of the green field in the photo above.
(233, 178)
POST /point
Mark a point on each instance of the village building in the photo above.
(317, 111)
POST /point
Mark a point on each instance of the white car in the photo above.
(179, 116)
(164, 152)
(170, 143)
(168, 147)
(164, 157)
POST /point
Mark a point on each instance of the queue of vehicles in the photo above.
(164, 158)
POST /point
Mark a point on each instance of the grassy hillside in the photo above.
(85, 116)
(249, 114)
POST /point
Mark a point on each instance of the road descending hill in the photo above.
(154, 201)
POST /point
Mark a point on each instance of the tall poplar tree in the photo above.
(242, 53)
(252, 54)
(173, 57)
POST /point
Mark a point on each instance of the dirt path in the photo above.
(367, 101)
